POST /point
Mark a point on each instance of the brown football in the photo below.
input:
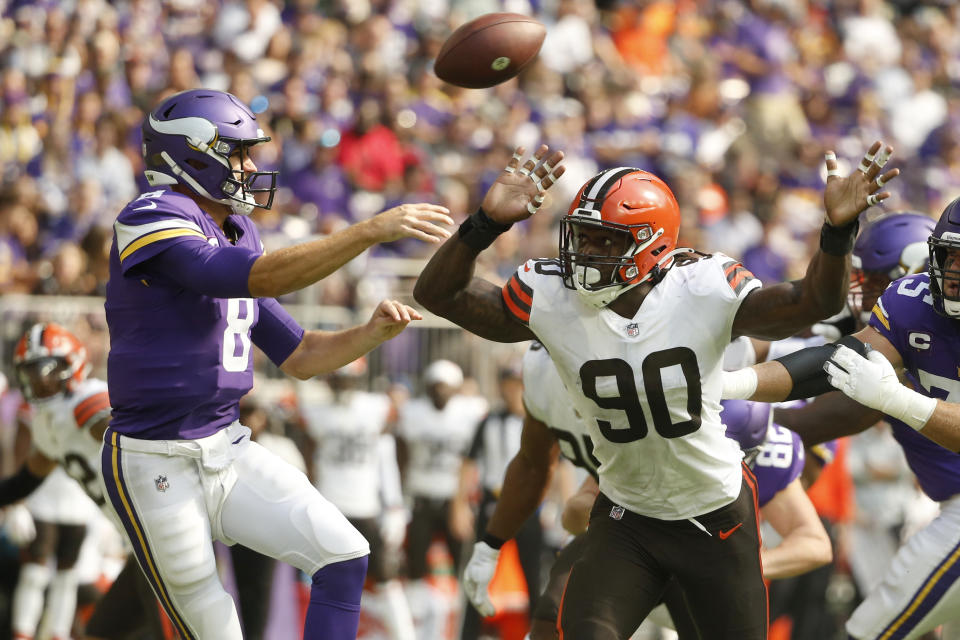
(489, 50)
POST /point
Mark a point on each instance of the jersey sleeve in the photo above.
(740, 280)
(824, 453)
(150, 224)
(92, 406)
(276, 333)
(517, 293)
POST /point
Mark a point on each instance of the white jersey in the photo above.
(437, 440)
(547, 400)
(60, 430)
(346, 462)
(650, 385)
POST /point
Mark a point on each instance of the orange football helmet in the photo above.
(628, 201)
(48, 361)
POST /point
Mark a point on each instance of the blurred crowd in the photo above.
(731, 102)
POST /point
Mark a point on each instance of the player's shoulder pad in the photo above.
(535, 275)
(154, 216)
(690, 256)
(91, 402)
(702, 275)
(908, 296)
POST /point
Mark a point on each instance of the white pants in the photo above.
(921, 587)
(175, 497)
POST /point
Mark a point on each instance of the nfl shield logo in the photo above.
(616, 512)
(633, 330)
(162, 483)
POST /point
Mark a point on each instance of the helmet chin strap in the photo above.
(240, 207)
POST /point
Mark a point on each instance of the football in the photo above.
(489, 50)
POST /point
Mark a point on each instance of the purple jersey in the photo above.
(779, 462)
(179, 360)
(930, 347)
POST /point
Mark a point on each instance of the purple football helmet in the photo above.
(888, 248)
(943, 282)
(189, 139)
(747, 423)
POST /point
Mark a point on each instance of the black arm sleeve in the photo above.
(806, 367)
(18, 486)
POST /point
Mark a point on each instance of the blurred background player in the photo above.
(64, 417)
(355, 467)
(70, 412)
(495, 443)
(551, 426)
(434, 432)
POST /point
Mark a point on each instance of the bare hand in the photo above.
(390, 318)
(519, 190)
(419, 221)
(845, 198)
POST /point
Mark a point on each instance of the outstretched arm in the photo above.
(832, 415)
(805, 545)
(576, 512)
(323, 351)
(21, 484)
(800, 374)
(293, 268)
(448, 287)
(781, 310)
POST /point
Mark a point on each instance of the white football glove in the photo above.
(872, 381)
(477, 577)
(393, 527)
(19, 525)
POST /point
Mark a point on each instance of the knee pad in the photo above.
(183, 553)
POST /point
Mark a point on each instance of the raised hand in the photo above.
(390, 318)
(845, 198)
(518, 192)
(419, 221)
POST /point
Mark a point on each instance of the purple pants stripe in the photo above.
(927, 596)
(119, 498)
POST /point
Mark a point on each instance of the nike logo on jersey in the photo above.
(726, 534)
(148, 205)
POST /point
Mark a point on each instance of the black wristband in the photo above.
(838, 241)
(806, 367)
(492, 540)
(18, 486)
(479, 231)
